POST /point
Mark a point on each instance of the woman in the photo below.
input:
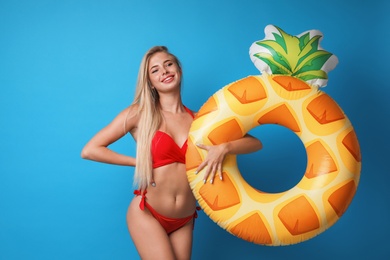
(161, 217)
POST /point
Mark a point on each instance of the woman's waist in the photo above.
(169, 203)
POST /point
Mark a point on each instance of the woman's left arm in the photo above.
(217, 153)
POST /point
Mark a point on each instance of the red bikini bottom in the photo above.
(169, 224)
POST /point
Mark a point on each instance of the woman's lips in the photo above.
(168, 79)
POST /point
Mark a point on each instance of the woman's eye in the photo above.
(154, 71)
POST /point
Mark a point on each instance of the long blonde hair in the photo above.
(150, 118)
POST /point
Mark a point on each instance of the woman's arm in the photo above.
(217, 153)
(97, 148)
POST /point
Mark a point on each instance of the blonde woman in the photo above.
(161, 216)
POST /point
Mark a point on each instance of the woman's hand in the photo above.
(214, 159)
(217, 153)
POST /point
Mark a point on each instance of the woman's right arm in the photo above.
(97, 148)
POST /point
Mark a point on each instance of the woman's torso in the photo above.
(172, 195)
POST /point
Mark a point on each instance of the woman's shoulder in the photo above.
(133, 108)
(190, 111)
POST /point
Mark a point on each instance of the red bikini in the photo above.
(166, 151)
(169, 224)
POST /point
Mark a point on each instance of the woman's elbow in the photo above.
(256, 144)
(259, 145)
(86, 153)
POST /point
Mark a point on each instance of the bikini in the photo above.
(166, 151)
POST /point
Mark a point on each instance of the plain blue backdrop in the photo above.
(68, 67)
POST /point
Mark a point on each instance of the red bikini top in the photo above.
(165, 150)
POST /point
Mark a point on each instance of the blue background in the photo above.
(68, 67)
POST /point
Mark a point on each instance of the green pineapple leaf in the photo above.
(298, 56)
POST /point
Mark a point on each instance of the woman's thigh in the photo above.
(181, 241)
(148, 235)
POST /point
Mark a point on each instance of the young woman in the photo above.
(161, 216)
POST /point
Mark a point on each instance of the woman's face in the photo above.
(164, 72)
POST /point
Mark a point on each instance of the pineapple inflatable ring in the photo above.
(288, 94)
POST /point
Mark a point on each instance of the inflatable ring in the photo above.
(290, 97)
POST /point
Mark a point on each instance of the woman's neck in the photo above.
(171, 104)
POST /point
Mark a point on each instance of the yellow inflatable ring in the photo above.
(333, 154)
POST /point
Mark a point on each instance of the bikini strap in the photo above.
(142, 194)
(196, 211)
(189, 111)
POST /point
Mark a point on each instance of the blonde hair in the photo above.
(150, 118)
